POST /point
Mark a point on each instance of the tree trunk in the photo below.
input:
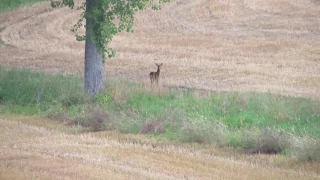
(94, 66)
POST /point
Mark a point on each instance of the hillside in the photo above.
(205, 45)
(265, 46)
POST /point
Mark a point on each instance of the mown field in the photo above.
(265, 46)
(239, 79)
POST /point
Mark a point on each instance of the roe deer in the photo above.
(154, 76)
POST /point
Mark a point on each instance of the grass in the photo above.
(236, 110)
(11, 4)
(254, 122)
(29, 93)
(261, 51)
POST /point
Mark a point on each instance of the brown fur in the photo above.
(154, 76)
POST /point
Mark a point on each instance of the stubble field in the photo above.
(264, 46)
(34, 148)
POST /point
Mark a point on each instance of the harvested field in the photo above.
(33, 148)
(265, 46)
(208, 45)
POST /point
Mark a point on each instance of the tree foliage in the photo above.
(109, 18)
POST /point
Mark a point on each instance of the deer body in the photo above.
(154, 76)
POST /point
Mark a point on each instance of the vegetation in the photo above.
(246, 122)
(254, 122)
(11, 4)
(104, 20)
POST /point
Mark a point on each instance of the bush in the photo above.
(306, 149)
(155, 127)
(204, 132)
(266, 142)
(95, 119)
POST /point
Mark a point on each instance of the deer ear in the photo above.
(161, 64)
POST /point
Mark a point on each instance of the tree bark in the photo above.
(94, 66)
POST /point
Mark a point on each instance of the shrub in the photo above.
(155, 127)
(306, 149)
(204, 132)
(267, 142)
(95, 119)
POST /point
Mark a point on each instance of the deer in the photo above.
(154, 76)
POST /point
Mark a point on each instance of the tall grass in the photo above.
(11, 4)
(258, 122)
(25, 92)
(236, 110)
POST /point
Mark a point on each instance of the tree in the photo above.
(104, 19)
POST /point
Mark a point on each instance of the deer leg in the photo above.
(151, 77)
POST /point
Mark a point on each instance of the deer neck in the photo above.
(158, 71)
